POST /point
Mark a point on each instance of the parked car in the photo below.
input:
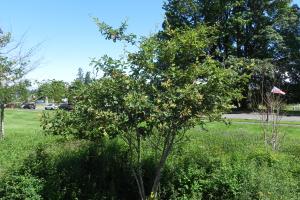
(65, 106)
(51, 106)
(28, 106)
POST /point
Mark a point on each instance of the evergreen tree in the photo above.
(87, 78)
(80, 75)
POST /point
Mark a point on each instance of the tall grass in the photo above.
(222, 162)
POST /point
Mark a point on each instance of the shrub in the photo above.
(82, 170)
(20, 187)
(205, 169)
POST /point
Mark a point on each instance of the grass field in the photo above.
(236, 127)
(22, 135)
(224, 152)
(259, 122)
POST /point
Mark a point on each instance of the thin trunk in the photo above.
(165, 154)
(135, 148)
(138, 175)
(139, 172)
(1, 121)
(140, 187)
(244, 103)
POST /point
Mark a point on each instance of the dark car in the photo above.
(65, 106)
(28, 106)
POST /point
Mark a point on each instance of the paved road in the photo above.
(256, 116)
(253, 116)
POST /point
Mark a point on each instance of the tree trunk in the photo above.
(244, 102)
(163, 159)
(1, 121)
(139, 177)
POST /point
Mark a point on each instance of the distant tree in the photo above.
(87, 78)
(23, 94)
(80, 75)
(54, 89)
(77, 85)
(12, 70)
(248, 29)
(74, 90)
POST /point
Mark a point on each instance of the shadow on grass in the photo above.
(83, 172)
(214, 166)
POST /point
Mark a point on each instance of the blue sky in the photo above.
(67, 32)
(69, 38)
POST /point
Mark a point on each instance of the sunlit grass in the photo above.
(22, 135)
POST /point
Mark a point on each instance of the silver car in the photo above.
(51, 106)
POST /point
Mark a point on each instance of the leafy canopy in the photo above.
(165, 88)
(55, 90)
(248, 29)
(166, 85)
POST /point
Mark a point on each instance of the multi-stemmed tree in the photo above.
(162, 90)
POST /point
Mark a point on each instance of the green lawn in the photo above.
(258, 121)
(234, 127)
(232, 136)
(22, 135)
(224, 151)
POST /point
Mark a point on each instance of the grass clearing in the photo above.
(22, 135)
(211, 159)
(236, 128)
(258, 121)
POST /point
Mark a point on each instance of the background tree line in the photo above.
(249, 30)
